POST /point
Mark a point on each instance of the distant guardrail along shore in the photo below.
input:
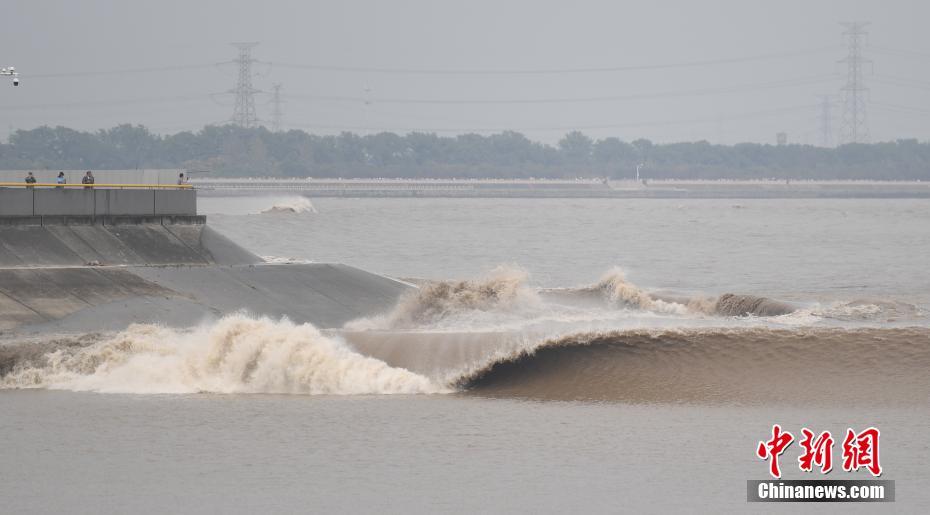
(581, 188)
(96, 186)
(147, 176)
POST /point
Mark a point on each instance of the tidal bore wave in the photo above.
(498, 337)
(820, 366)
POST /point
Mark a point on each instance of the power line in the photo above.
(691, 121)
(428, 71)
(901, 81)
(364, 99)
(551, 71)
(899, 52)
(125, 71)
(900, 108)
(565, 100)
(276, 114)
(368, 100)
(826, 122)
(855, 123)
(103, 103)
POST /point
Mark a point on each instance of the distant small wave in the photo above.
(286, 260)
(294, 205)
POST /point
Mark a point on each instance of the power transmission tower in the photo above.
(826, 122)
(244, 105)
(277, 115)
(855, 123)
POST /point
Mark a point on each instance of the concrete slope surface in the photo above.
(117, 244)
(111, 298)
(85, 277)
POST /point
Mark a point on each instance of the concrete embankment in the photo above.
(110, 298)
(78, 241)
(80, 274)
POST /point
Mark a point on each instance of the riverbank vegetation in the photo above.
(238, 152)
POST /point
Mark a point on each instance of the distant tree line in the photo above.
(234, 151)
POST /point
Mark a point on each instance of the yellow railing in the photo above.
(90, 186)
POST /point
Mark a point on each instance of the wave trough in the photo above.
(711, 365)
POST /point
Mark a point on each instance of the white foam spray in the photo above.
(237, 354)
(619, 292)
(490, 301)
(282, 260)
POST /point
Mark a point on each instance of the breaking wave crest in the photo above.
(504, 301)
(616, 291)
(730, 304)
(504, 290)
(497, 336)
(295, 205)
(237, 354)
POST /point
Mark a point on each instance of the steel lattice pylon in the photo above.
(244, 107)
(855, 122)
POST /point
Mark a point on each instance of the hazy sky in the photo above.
(779, 57)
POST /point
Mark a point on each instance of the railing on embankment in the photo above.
(98, 200)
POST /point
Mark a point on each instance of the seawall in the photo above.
(29, 242)
(98, 270)
(89, 299)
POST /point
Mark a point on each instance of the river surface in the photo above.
(631, 403)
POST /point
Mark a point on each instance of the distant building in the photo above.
(782, 138)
